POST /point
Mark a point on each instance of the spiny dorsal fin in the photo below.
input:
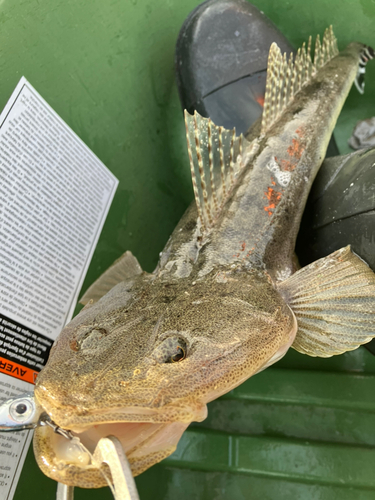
(334, 302)
(285, 77)
(216, 157)
(123, 268)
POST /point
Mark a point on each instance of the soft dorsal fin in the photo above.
(286, 76)
(217, 157)
(123, 268)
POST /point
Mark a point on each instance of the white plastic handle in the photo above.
(64, 492)
(109, 451)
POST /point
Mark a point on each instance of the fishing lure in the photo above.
(19, 413)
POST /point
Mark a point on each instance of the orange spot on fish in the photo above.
(260, 100)
(296, 149)
(273, 198)
(249, 252)
(243, 246)
(300, 132)
(287, 165)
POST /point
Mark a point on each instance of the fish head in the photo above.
(144, 361)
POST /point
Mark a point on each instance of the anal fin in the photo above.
(123, 268)
(334, 302)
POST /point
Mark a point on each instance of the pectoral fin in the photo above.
(124, 267)
(334, 302)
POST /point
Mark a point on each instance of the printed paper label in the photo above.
(54, 197)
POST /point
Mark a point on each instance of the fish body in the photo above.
(226, 300)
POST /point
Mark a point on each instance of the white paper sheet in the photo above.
(54, 197)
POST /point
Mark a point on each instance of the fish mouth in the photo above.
(145, 442)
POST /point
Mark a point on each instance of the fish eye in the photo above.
(179, 356)
(20, 411)
(20, 408)
(171, 350)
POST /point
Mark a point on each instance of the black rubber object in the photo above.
(221, 62)
(341, 211)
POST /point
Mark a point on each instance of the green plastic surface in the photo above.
(302, 430)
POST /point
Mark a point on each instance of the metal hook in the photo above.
(46, 420)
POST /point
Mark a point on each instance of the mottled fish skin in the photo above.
(259, 225)
(105, 362)
(214, 293)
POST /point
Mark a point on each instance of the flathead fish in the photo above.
(149, 351)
